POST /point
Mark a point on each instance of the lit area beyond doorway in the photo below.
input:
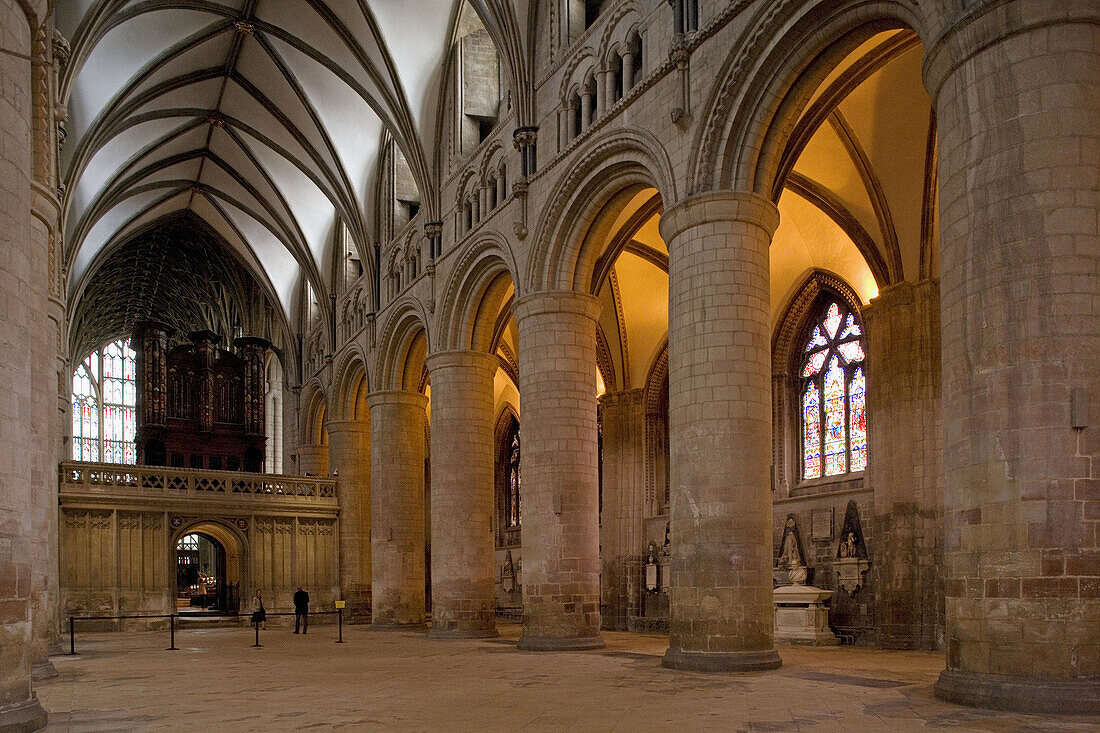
(207, 573)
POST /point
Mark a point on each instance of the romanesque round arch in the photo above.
(479, 274)
(405, 322)
(768, 79)
(350, 385)
(573, 79)
(314, 404)
(615, 163)
(626, 16)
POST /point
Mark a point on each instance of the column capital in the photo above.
(461, 358)
(990, 23)
(556, 301)
(347, 426)
(719, 206)
(396, 397)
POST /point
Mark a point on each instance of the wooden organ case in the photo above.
(199, 406)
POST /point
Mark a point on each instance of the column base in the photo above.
(530, 643)
(43, 671)
(450, 634)
(721, 661)
(23, 717)
(1020, 694)
(415, 626)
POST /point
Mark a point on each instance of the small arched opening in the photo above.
(208, 561)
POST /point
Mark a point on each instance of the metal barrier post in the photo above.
(72, 636)
(172, 631)
(257, 644)
(340, 619)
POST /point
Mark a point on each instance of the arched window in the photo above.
(833, 396)
(104, 418)
(273, 415)
(512, 513)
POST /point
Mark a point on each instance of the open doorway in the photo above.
(207, 572)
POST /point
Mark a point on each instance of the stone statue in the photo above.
(790, 554)
(848, 547)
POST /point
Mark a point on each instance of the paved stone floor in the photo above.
(402, 681)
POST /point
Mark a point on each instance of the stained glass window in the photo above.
(512, 513)
(857, 420)
(834, 396)
(811, 431)
(103, 403)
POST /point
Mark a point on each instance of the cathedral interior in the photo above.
(748, 324)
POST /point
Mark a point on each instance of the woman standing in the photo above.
(259, 615)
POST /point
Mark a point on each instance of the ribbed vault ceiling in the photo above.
(177, 272)
(262, 117)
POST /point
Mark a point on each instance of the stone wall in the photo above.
(23, 559)
(122, 561)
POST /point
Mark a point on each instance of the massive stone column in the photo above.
(622, 521)
(1017, 105)
(313, 460)
(905, 465)
(45, 344)
(720, 432)
(350, 458)
(560, 494)
(463, 595)
(20, 278)
(397, 508)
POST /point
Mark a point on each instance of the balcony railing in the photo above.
(112, 479)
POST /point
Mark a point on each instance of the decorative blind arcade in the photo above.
(834, 397)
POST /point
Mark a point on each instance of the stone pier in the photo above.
(1017, 105)
(23, 553)
(350, 457)
(561, 531)
(397, 509)
(463, 596)
(720, 432)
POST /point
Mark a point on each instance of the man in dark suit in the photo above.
(301, 610)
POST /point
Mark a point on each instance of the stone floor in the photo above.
(403, 681)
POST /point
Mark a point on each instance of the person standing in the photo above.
(259, 613)
(301, 610)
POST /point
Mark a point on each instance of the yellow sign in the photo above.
(339, 604)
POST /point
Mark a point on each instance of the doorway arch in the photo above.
(217, 574)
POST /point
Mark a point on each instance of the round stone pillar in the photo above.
(313, 460)
(560, 494)
(1017, 104)
(397, 420)
(463, 593)
(349, 456)
(720, 432)
(902, 330)
(20, 277)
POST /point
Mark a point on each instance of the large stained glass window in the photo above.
(834, 396)
(104, 417)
